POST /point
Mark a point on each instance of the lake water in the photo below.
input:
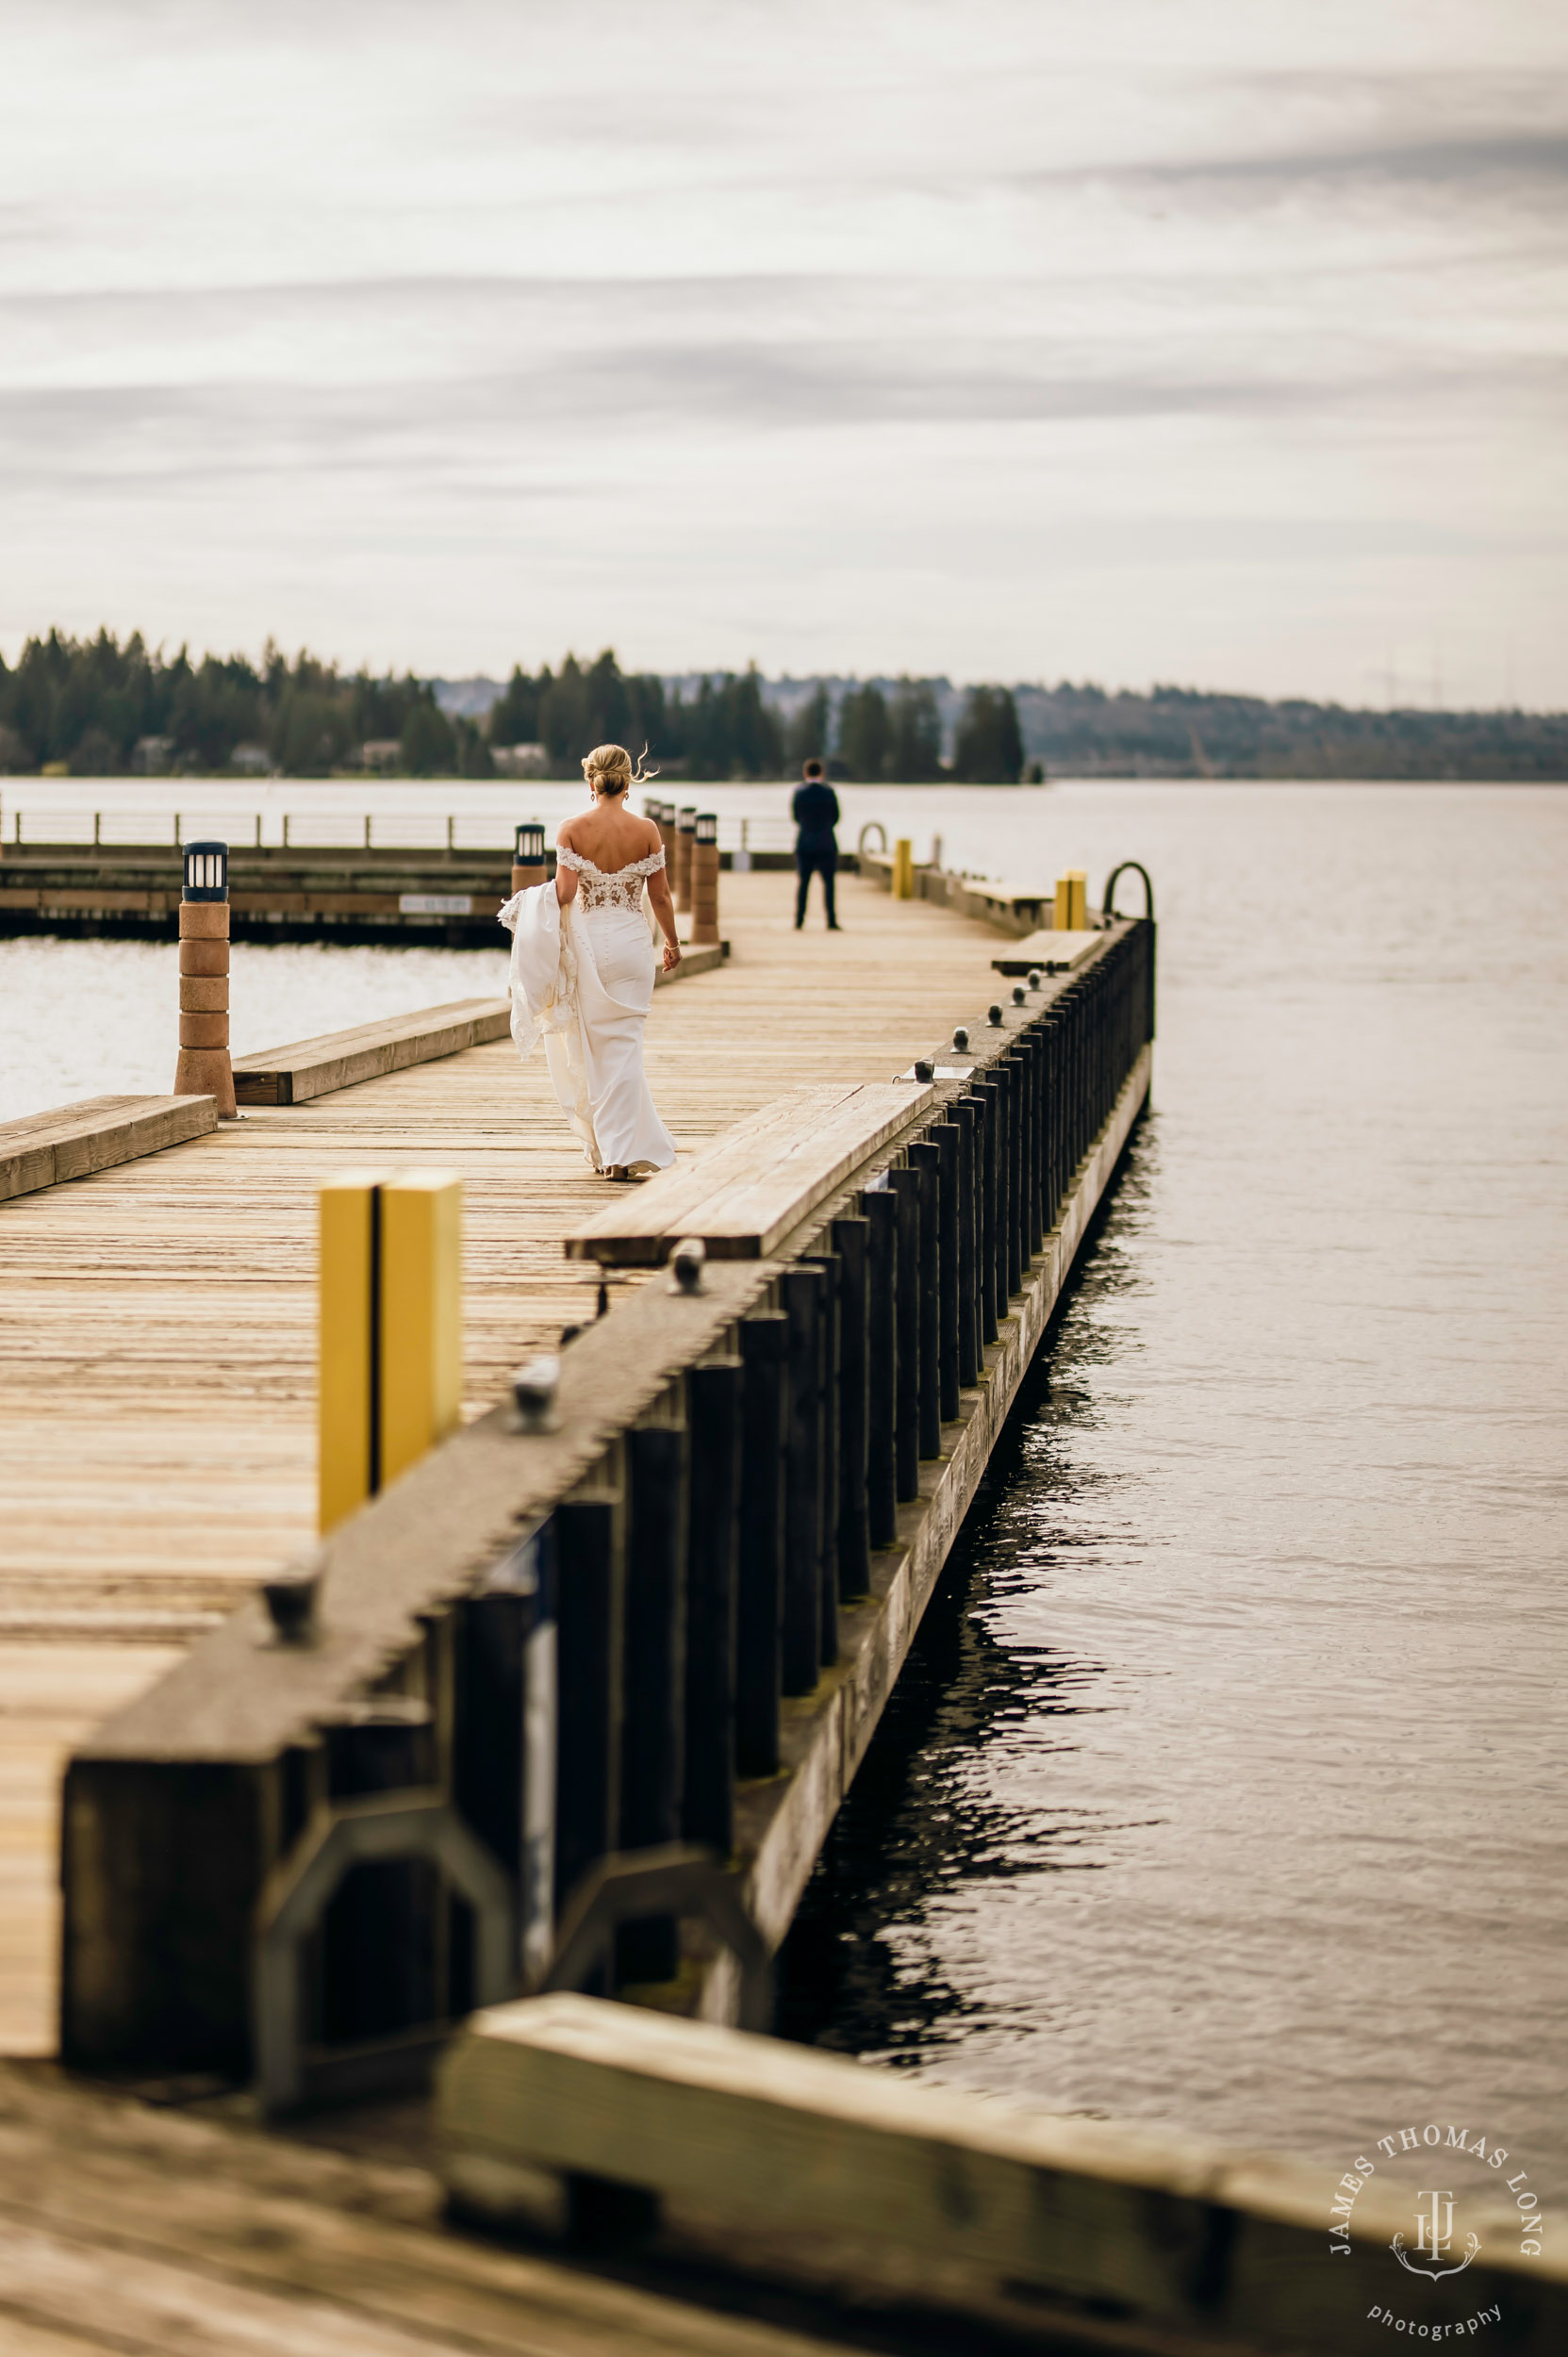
(1227, 1785)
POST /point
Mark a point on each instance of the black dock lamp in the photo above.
(206, 871)
(528, 861)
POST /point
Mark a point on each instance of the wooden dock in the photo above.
(890, 1208)
(158, 1322)
(661, 1598)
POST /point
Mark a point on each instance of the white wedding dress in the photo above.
(583, 979)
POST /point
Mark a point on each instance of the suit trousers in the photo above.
(809, 864)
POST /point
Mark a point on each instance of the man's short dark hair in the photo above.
(811, 770)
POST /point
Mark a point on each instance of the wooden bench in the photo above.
(744, 1194)
(336, 1059)
(74, 1141)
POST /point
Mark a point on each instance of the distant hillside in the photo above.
(1182, 732)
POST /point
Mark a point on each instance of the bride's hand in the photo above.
(671, 956)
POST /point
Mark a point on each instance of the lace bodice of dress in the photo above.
(621, 889)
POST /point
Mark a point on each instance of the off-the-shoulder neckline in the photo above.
(646, 866)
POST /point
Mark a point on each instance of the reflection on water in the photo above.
(1227, 1785)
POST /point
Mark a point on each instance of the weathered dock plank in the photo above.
(77, 1141)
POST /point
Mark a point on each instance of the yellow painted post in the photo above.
(903, 869)
(422, 1315)
(1070, 914)
(347, 1468)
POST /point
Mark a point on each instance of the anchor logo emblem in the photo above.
(1434, 2239)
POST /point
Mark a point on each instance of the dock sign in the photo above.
(435, 904)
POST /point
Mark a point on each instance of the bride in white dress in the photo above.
(583, 970)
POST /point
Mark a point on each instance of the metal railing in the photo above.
(321, 831)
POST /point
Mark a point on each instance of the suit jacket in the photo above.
(816, 812)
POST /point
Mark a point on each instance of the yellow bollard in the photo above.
(391, 1345)
(422, 1315)
(903, 869)
(1071, 912)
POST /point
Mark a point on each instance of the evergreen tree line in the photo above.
(725, 730)
(97, 708)
(88, 704)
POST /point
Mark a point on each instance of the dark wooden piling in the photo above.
(654, 1722)
(905, 1186)
(881, 1209)
(828, 1365)
(982, 1097)
(926, 1161)
(1033, 1160)
(759, 1628)
(995, 1091)
(714, 1414)
(801, 1289)
(851, 1242)
(944, 1136)
(591, 1607)
(966, 1117)
(1017, 1116)
(1051, 1085)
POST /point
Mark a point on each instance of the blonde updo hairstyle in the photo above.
(608, 769)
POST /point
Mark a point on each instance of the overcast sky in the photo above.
(1219, 341)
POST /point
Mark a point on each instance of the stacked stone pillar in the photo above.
(662, 816)
(704, 882)
(203, 1068)
(685, 836)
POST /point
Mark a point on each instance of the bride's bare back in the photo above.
(609, 834)
(613, 836)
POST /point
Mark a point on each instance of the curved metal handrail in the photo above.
(865, 831)
(1108, 908)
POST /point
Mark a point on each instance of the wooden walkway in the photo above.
(157, 1321)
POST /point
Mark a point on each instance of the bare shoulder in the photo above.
(652, 838)
(564, 831)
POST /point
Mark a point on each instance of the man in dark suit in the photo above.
(816, 811)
